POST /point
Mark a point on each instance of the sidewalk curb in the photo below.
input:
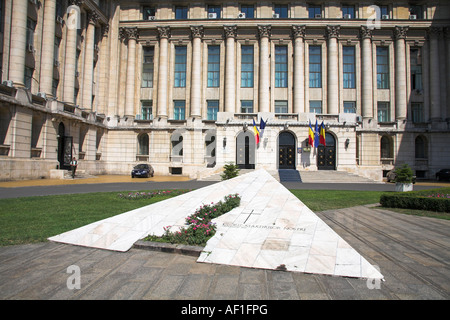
(194, 251)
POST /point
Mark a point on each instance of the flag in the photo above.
(322, 134)
(256, 132)
(316, 135)
(310, 135)
(262, 126)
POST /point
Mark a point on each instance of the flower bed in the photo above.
(150, 194)
(199, 227)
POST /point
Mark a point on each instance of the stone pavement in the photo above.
(411, 252)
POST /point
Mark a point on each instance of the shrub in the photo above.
(230, 171)
(199, 225)
(429, 200)
(404, 174)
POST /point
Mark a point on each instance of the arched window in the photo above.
(386, 148)
(143, 144)
(421, 146)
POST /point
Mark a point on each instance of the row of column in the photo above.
(264, 32)
(18, 49)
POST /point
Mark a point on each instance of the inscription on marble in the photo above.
(259, 226)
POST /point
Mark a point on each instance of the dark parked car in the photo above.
(390, 176)
(142, 170)
(443, 174)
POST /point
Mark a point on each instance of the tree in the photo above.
(230, 171)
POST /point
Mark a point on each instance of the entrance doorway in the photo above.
(64, 148)
(286, 150)
(245, 150)
(326, 155)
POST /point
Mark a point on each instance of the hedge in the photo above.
(429, 200)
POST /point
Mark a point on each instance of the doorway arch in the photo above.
(326, 155)
(245, 150)
(286, 150)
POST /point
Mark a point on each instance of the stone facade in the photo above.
(178, 85)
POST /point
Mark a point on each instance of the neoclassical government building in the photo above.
(179, 84)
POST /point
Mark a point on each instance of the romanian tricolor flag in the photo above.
(256, 132)
(316, 135)
(322, 134)
(310, 135)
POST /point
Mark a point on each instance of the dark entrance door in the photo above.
(286, 151)
(326, 155)
(64, 148)
(245, 150)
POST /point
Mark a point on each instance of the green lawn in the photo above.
(34, 219)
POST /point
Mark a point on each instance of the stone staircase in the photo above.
(319, 176)
(79, 174)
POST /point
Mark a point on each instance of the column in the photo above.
(164, 34)
(333, 70)
(366, 73)
(105, 65)
(71, 53)
(298, 33)
(89, 60)
(132, 35)
(400, 73)
(230, 69)
(196, 80)
(18, 49)
(48, 46)
(264, 68)
(435, 92)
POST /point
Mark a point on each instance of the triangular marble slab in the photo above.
(270, 228)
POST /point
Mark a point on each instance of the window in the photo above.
(315, 106)
(349, 67)
(147, 110)
(147, 67)
(384, 114)
(421, 147)
(349, 107)
(281, 106)
(416, 69)
(417, 112)
(179, 110)
(148, 12)
(386, 148)
(56, 50)
(55, 83)
(382, 68)
(180, 66)
(181, 12)
(214, 9)
(248, 10)
(348, 12)
(314, 11)
(212, 109)
(384, 10)
(315, 67)
(31, 26)
(246, 106)
(213, 66)
(28, 76)
(281, 10)
(247, 65)
(416, 10)
(143, 143)
(281, 67)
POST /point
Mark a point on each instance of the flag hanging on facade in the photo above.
(316, 135)
(310, 135)
(256, 132)
(322, 135)
(262, 126)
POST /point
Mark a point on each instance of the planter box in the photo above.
(403, 187)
